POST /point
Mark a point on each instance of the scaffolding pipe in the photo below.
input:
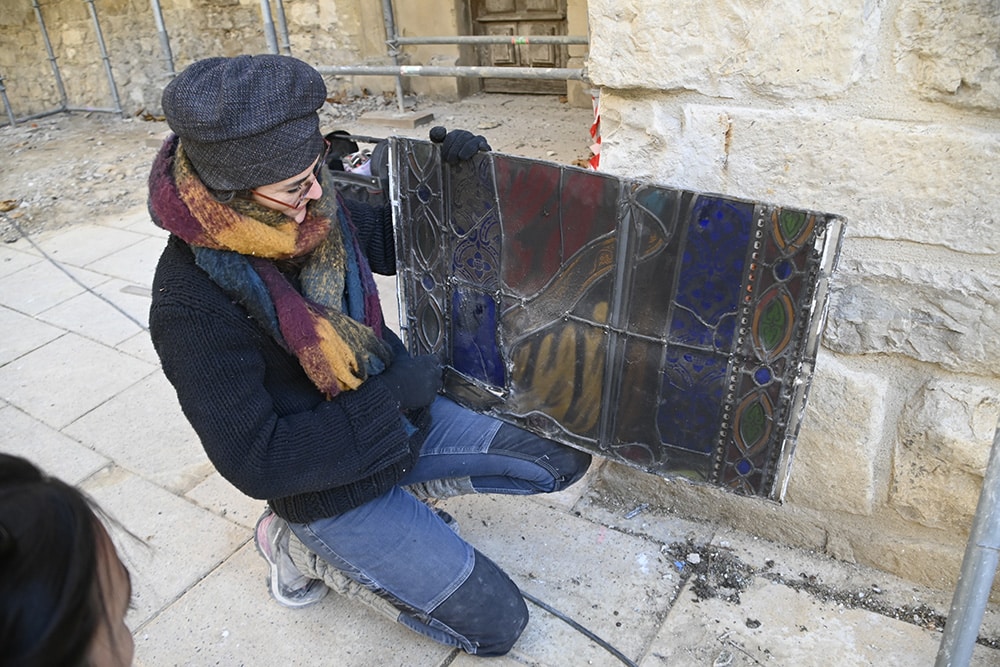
(979, 566)
(52, 56)
(496, 39)
(286, 44)
(105, 58)
(6, 103)
(390, 36)
(552, 73)
(42, 114)
(269, 36)
(161, 29)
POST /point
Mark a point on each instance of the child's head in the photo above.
(64, 592)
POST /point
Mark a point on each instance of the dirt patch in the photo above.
(716, 572)
(70, 168)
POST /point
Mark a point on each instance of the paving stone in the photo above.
(92, 316)
(54, 453)
(68, 377)
(775, 624)
(142, 428)
(22, 334)
(82, 244)
(173, 543)
(134, 220)
(132, 301)
(219, 496)
(651, 522)
(134, 264)
(141, 347)
(42, 285)
(14, 260)
(229, 619)
(616, 585)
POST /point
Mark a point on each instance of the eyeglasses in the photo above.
(302, 189)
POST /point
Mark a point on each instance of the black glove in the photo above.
(341, 144)
(458, 145)
(413, 381)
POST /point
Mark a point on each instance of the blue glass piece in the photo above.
(691, 407)
(476, 256)
(710, 284)
(475, 351)
(762, 376)
(783, 270)
(744, 467)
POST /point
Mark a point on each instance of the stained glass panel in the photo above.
(670, 330)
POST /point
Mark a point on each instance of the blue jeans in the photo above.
(400, 548)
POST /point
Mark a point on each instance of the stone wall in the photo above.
(328, 32)
(886, 112)
(321, 32)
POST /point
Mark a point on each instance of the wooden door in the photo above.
(521, 17)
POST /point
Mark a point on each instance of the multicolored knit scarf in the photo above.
(334, 325)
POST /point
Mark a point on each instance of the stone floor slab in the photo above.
(94, 317)
(618, 586)
(82, 244)
(181, 543)
(142, 429)
(22, 334)
(134, 264)
(42, 285)
(56, 454)
(140, 346)
(68, 377)
(136, 220)
(229, 620)
(776, 625)
(12, 260)
(219, 496)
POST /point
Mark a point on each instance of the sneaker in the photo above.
(288, 586)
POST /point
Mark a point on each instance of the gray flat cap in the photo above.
(247, 121)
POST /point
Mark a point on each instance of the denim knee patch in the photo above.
(486, 611)
(565, 464)
(394, 544)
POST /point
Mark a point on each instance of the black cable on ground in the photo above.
(54, 262)
(590, 635)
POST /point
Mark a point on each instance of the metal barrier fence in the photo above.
(273, 30)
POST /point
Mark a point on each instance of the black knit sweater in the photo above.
(264, 425)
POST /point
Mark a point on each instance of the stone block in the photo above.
(835, 458)
(935, 307)
(922, 560)
(944, 443)
(784, 49)
(947, 51)
(627, 487)
(891, 180)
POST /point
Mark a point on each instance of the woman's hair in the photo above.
(50, 594)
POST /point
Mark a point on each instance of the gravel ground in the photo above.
(77, 167)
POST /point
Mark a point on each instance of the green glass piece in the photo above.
(753, 424)
(791, 223)
(773, 324)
